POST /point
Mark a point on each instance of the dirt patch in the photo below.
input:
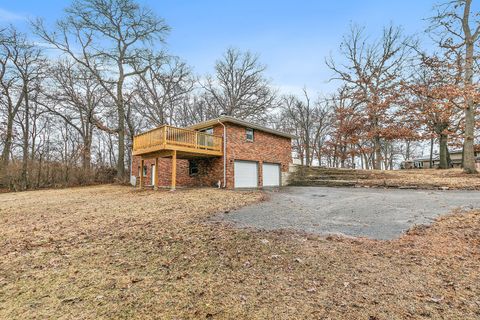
(110, 252)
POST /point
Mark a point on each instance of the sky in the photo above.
(292, 38)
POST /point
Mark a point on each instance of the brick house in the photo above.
(222, 152)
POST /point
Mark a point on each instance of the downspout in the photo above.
(224, 154)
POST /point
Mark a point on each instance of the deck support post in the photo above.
(155, 175)
(140, 185)
(174, 170)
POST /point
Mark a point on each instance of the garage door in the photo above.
(271, 175)
(246, 174)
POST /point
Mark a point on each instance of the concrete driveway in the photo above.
(372, 213)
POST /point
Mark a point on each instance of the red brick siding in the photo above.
(206, 176)
(266, 147)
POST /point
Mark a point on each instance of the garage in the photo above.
(271, 175)
(246, 174)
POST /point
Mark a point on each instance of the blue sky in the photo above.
(292, 37)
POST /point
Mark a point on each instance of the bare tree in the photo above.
(239, 87)
(108, 38)
(77, 97)
(13, 94)
(162, 89)
(22, 66)
(459, 29)
(374, 71)
(307, 120)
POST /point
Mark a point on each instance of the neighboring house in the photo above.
(223, 152)
(455, 156)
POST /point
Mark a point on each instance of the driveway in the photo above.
(359, 212)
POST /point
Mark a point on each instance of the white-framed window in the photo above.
(249, 134)
(144, 171)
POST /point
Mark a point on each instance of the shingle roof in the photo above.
(240, 122)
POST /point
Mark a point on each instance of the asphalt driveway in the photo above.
(372, 213)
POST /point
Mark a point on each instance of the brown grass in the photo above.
(426, 179)
(111, 252)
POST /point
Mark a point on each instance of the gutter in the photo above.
(224, 154)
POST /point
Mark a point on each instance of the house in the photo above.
(224, 152)
(455, 157)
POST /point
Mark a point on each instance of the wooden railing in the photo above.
(168, 137)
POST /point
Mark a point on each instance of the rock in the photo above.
(435, 299)
(298, 260)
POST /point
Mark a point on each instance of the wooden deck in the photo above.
(160, 142)
(175, 143)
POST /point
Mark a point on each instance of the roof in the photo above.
(476, 148)
(435, 157)
(243, 123)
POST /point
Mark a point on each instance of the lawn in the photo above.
(423, 179)
(411, 179)
(113, 252)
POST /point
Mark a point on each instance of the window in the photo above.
(205, 141)
(144, 171)
(249, 134)
(192, 167)
(207, 130)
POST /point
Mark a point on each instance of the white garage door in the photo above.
(271, 175)
(246, 174)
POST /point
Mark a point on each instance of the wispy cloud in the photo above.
(8, 16)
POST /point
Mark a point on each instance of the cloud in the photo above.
(6, 15)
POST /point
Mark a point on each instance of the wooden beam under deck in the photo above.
(180, 155)
(174, 170)
(167, 150)
(140, 185)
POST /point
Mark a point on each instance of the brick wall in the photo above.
(207, 176)
(266, 147)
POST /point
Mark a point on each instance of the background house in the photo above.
(424, 162)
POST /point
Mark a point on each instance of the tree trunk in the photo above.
(8, 144)
(468, 145)
(121, 123)
(431, 152)
(24, 173)
(443, 152)
(367, 166)
(378, 154)
(469, 153)
(87, 153)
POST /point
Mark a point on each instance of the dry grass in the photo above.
(111, 252)
(426, 179)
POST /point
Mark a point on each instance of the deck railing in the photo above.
(168, 137)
